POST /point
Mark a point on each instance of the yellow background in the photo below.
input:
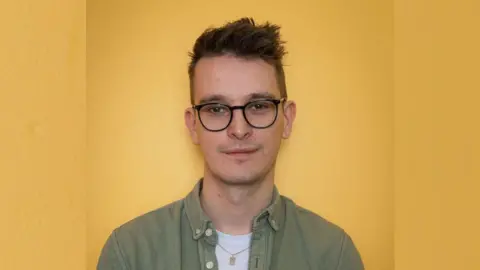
(42, 135)
(437, 135)
(385, 144)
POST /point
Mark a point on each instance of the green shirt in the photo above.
(179, 236)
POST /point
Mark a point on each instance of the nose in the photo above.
(239, 128)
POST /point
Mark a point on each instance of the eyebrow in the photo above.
(220, 98)
(213, 98)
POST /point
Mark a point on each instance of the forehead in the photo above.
(234, 78)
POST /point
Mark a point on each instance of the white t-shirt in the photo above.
(233, 244)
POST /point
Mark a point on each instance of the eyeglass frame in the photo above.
(198, 107)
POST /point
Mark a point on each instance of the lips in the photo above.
(240, 152)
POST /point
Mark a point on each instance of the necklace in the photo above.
(232, 259)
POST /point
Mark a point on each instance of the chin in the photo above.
(239, 179)
(234, 174)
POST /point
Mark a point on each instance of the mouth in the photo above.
(241, 153)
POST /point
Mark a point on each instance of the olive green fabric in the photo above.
(179, 236)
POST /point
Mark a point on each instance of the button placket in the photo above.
(259, 246)
(209, 265)
(209, 241)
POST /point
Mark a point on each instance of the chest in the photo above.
(267, 250)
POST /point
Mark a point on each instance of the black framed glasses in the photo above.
(259, 114)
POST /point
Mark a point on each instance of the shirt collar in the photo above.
(199, 221)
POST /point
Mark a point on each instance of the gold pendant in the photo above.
(232, 260)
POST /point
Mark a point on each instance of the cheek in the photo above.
(271, 142)
(209, 142)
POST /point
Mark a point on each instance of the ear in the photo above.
(289, 114)
(190, 122)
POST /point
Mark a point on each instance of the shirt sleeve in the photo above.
(350, 258)
(111, 255)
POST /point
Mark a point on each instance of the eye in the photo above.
(215, 109)
(260, 105)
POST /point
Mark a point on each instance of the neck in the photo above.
(233, 207)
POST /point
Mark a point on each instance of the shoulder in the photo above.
(323, 239)
(150, 225)
(138, 243)
(312, 223)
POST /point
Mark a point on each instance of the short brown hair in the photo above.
(241, 38)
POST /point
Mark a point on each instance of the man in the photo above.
(234, 218)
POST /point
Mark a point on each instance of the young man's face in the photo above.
(238, 154)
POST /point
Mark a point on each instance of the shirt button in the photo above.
(209, 265)
(208, 232)
(197, 231)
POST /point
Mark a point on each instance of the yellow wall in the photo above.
(42, 135)
(437, 135)
(340, 71)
